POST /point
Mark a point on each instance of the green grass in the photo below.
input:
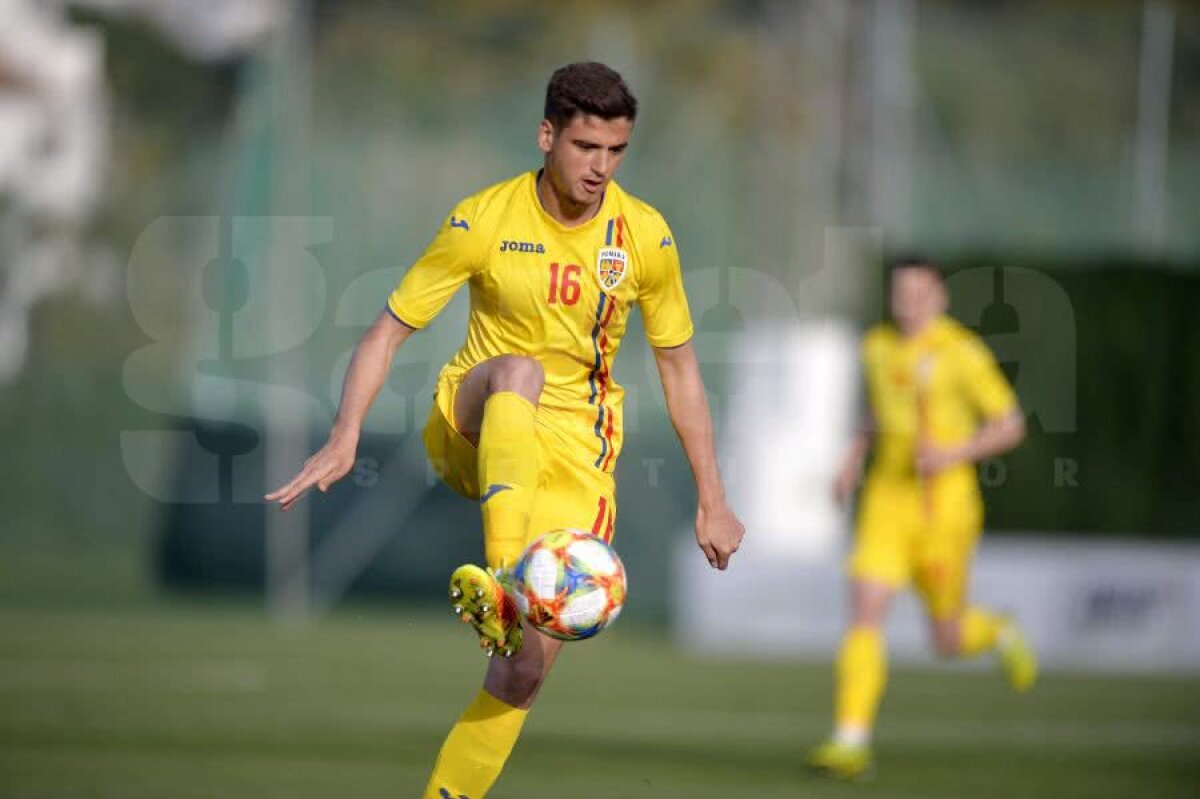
(181, 700)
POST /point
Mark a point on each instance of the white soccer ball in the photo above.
(569, 584)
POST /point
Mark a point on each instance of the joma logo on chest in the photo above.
(522, 246)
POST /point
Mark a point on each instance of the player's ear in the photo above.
(545, 136)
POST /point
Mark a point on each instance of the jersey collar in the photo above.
(601, 213)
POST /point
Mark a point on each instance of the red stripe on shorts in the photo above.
(596, 525)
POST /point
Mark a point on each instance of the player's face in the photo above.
(917, 297)
(582, 158)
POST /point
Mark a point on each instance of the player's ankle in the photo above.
(852, 735)
(1006, 635)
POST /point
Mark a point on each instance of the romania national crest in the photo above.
(611, 266)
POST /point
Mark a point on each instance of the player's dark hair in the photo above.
(587, 88)
(915, 261)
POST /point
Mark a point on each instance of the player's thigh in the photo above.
(888, 517)
(870, 602)
(571, 493)
(520, 374)
(942, 571)
(454, 459)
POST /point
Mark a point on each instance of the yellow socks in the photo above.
(978, 632)
(476, 749)
(861, 676)
(478, 746)
(508, 473)
(862, 671)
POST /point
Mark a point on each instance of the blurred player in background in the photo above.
(527, 418)
(939, 404)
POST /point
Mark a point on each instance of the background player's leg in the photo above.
(889, 515)
(479, 745)
(862, 663)
(970, 633)
(495, 407)
(978, 631)
(861, 673)
(961, 631)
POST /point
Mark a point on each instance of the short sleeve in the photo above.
(454, 255)
(661, 297)
(985, 383)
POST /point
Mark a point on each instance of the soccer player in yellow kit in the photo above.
(527, 419)
(939, 405)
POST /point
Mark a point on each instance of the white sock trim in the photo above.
(1006, 636)
(852, 735)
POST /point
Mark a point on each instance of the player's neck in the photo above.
(564, 210)
(917, 329)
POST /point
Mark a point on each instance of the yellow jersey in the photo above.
(561, 295)
(937, 385)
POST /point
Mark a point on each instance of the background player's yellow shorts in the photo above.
(571, 492)
(899, 540)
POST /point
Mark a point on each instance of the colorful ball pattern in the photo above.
(569, 584)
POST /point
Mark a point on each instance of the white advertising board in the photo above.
(1085, 603)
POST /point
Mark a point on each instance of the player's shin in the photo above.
(476, 749)
(861, 676)
(508, 472)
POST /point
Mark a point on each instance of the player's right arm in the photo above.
(449, 261)
(364, 378)
(850, 470)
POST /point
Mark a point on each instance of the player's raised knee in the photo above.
(516, 373)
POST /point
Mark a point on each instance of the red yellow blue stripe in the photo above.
(614, 234)
(598, 377)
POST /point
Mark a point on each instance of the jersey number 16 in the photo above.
(567, 290)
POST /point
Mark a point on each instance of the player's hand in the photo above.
(719, 534)
(932, 459)
(328, 465)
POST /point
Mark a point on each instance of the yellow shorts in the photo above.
(904, 537)
(571, 492)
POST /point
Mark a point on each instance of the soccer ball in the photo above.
(569, 584)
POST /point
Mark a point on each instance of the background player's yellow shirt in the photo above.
(560, 295)
(940, 383)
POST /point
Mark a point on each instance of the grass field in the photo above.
(178, 700)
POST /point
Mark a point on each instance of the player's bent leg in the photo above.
(861, 675)
(480, 743)
(515, 374)
(973, 631)
(497, 401)
(494, 408)
(976, 632)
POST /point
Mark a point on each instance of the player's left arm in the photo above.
(718, 531)
(994, 437)
(669, 330)
(1003, 425)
